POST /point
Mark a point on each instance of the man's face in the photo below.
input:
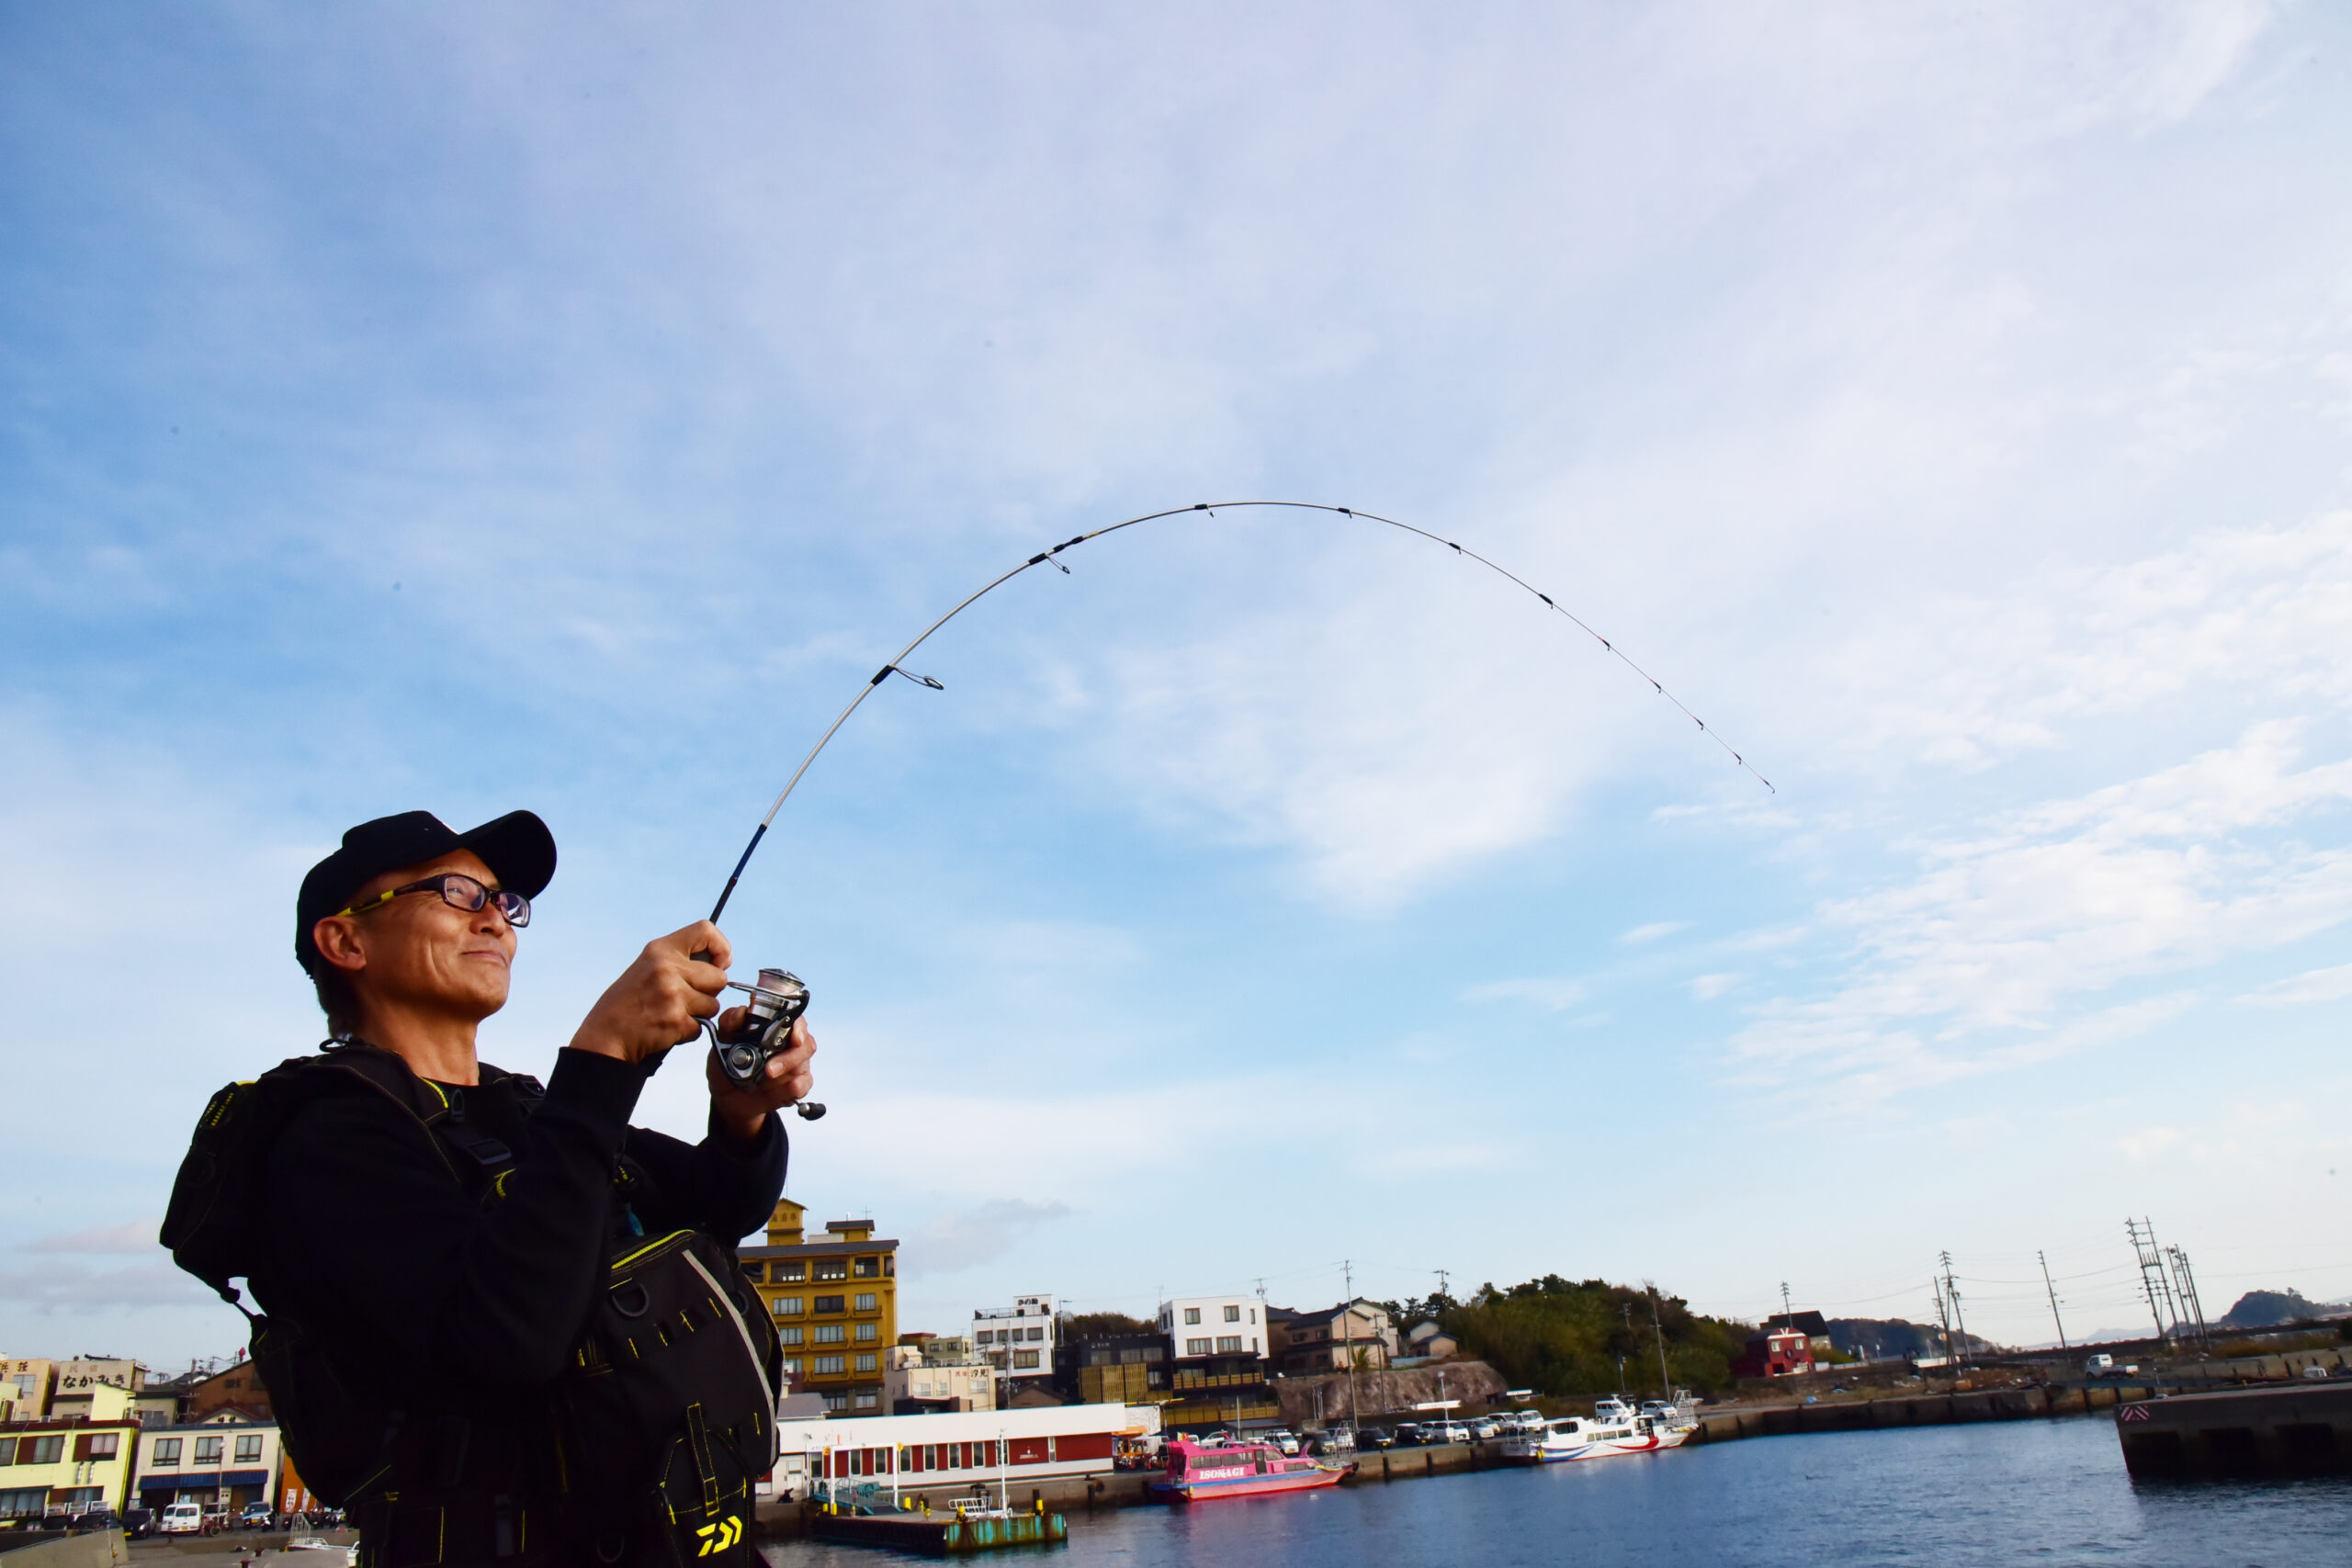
(419, 952)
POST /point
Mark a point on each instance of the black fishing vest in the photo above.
(645, 1448)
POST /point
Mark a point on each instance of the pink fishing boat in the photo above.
(1198, 1472)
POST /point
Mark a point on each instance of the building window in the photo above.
(985, 1336)
(794, 1269)
(1191, 1314)
(1037, 1334)
(869, 1401)
(831, 1333)
(865, 1300)
(208, 1450)
(825, 1366)
(865, 1363)
(832, 1267)
(1024, 1359)
(1196, 1346)
(249, 1448)
(1233, 1315)
(1229, 1344)
(789, 1307)
(791, 1335)
(889, 1266)
(168, 1451)
(97, 1445)
(867, 1333)
(831, 1304)
(869, 1268)
(836, 1402)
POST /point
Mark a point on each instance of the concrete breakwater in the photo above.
(1912, 1410)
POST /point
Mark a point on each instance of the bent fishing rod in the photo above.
(781, 996)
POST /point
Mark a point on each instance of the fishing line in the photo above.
(1046, 558)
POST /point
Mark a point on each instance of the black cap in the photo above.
(517, 848)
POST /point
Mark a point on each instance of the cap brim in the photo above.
(517, 848)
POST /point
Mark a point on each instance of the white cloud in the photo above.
(1653, 930)
(135, 1237)
(2148, 1141)
(1985, 960)
(978, 1235)
(2312, 985)
(1707, 988)
(1555, 995)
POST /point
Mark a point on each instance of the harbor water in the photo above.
(2005, 1493)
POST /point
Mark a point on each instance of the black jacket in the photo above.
(428, 1295)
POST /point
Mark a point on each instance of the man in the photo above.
(457, 1306)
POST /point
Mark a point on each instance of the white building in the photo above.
(1200, 1326)
(1019, 1340)
(958, 1454)
(938, 1376)
(223, 1463)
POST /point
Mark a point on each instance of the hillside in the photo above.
(1562, 1338)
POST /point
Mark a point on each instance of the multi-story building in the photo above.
(1355, 1333)
(835, 1304)
(64, 1465)
(224, 1462)
(1219, 1366)
(931, 1375)
(1019, 1340)
(23, 1388)
(1112, 1369)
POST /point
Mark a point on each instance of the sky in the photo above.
(571, 406)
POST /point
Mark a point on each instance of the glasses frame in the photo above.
(512, 907)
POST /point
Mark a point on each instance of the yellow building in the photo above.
(69, 1466)
(835, 1304)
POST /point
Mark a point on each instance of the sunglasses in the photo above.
(459, 892)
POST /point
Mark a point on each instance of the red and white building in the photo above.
(953, 1453)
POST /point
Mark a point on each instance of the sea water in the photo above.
(2005, 1492)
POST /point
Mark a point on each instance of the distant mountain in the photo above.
(1885, 1339)
(2263, 1309)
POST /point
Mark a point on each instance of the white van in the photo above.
(2097, 1364)
(183, 1518)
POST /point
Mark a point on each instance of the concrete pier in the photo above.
(2287, 1430)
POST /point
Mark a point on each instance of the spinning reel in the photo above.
(777, 1001)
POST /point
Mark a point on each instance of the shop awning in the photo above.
(245, 1478)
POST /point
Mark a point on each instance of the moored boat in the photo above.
(1614, 1427)
(1197, 1472)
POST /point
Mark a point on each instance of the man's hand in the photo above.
(743, 1109)
(660, 1000)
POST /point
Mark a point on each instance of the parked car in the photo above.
(1407, 1433)
(95, 1519)
(1524, 1421)
(1485, 1428)
(1380, 1438)
(1282, 1439)
(183, 1518)
(1339, 1440)
(140, 1523)
(2097, 1364)
(257, 1517)
(1446, 1432)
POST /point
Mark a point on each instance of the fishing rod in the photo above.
(781, 996)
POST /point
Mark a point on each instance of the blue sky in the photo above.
(568, 406)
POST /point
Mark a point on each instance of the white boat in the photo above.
(1614, 1427)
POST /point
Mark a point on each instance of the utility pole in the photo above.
(2053, 1299)
(1788, 1318)
(1665, 1380)
(1440, 1284)
(1943, 1317)
(2186, 1283)
(2153, 1283)
(1348, 1318)
(1620, 1355)
(1952, 1289)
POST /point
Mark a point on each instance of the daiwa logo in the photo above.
(724, 1536)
